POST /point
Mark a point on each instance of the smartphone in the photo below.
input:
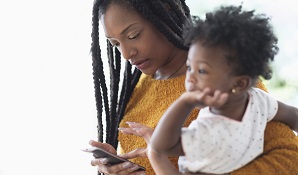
(112, 158)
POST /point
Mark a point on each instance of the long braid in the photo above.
(112, 92)
(160, 25)
(169, 20)
(115, 79)
(169, 17)
(95, 49)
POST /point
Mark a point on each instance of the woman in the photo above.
(149, 36)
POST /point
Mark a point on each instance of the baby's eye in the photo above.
(202, 71)
(188, 68)
(134, 36)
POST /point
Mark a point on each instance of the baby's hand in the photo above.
(204, 98)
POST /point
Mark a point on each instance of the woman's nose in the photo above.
(128, 52)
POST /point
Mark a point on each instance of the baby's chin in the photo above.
(189, 87)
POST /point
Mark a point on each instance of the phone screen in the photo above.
(112, 158)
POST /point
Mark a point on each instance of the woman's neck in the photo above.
(175, 67)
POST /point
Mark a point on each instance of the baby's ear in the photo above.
(241, 83)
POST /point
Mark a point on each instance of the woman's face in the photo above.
(137, 39)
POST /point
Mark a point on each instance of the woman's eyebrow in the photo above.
(127, 28)
(124, 30)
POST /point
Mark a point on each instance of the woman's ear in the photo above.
(241, 83)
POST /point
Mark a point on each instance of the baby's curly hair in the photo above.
(247, 36)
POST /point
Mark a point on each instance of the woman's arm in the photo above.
(280, 155)
(288, 115)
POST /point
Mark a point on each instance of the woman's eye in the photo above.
(115, 44)
(134, 36)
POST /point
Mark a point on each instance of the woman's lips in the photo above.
(142, 64)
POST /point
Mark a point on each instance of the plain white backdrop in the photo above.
(47, 104)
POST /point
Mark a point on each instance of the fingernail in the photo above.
(90, 142)
(130, 123)
(126, 165)
(121, 129)
(103, 160)
(135, 167)
(143, 173)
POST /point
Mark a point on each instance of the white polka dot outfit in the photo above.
(216, 144)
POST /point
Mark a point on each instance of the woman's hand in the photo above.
(202, 174)
(138, 130)
(125, 168)
(141, 131)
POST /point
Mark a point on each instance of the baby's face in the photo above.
(208, 67)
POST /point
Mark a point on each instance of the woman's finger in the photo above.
(141, 130)
(139, 152)
(104, 146)
(137, 129)
(123, 168)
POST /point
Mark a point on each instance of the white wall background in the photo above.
(47, 104)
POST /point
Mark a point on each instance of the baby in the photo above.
(228, 53)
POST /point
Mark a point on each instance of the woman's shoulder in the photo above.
(260, 85)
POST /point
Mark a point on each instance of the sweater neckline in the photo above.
(150, 77)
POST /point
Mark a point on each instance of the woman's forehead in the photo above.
(118, 18)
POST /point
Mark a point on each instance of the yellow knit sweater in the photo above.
(150, 100)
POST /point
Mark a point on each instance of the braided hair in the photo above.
(248, 36)
(169, 17)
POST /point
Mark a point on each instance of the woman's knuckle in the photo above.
(108, 170)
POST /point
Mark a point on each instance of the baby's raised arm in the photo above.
(166, 136)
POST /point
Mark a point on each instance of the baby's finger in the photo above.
(223, 98)
(219, 99)
(216, 95)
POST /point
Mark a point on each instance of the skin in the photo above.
(207, 68)
(203, 65)
(140, 43)
(209, 82)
